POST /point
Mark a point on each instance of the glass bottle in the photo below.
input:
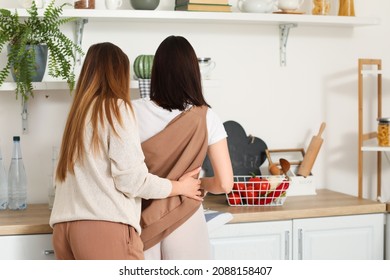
(346, 8)
(52, 176)
(3, 186)
(17, 179)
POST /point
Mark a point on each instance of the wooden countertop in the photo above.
(325, 203)
(35, 219)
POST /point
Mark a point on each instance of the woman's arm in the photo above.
(222, 182)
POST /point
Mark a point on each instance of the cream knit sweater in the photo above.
(109, 186)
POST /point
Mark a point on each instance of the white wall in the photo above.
(282, 105)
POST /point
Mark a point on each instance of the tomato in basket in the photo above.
(234, 198)
(271, 196)
(252, 195)
(259, 184)
(240, 188)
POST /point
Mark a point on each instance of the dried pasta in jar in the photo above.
(321, 7)
(384, 132)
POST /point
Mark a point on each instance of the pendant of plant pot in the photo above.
(40, 53)
(30, 67)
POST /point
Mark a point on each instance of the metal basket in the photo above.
(258, 191)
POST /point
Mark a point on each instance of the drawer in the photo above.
(26, 247)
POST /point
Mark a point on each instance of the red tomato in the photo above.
(264, 187)
(241, 188)
(252, 195)
(234, 198)
(260, 184)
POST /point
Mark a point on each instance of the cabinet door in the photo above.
(26, 247)
(359, 237)
(252, 241)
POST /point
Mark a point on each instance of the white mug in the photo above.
(289, 5)
(113, 4)
(100, 4)
(27, 3)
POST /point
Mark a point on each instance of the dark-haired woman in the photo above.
(177, 130)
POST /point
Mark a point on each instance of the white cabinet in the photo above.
(343, 237)
(260, 240)
(358, 237)
(26, 247)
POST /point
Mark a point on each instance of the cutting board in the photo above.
(247, 152)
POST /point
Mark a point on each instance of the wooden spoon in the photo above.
(285, 164)
(274, 169)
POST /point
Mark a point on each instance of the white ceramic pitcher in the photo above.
(256, 6)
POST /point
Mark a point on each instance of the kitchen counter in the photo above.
(325, 204)
(34, 220)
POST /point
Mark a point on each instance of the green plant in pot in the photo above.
(34, 35)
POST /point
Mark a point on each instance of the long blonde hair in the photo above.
(103, 80)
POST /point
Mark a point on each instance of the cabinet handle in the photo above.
(48, 252)
(300, 244)
(287, 245)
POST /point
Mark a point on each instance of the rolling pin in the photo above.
(311, 153)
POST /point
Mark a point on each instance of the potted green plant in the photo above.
(21, 35)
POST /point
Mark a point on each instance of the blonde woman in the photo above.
(101, 175)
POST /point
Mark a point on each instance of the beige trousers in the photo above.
(190, 241)
(96, 240)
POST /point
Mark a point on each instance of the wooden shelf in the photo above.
(368, 141)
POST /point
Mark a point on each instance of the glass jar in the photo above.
(321, 7)
(346, 8)
(383, 132)
(84, 4)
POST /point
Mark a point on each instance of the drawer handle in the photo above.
(48, 252)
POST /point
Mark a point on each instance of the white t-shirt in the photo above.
(153, 118)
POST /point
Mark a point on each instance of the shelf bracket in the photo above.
(24, 117)
(284, 30)
(79, 35)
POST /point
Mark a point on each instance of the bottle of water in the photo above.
(3, 186)
(17, 179)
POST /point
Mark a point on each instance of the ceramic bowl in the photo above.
(144, 4)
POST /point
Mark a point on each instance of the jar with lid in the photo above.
(84, 4)
(321, 7)
(384, 132)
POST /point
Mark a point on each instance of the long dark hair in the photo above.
(176, 81)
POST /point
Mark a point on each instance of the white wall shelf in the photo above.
(214, 17)
(372, 146)
(285, 21)
(11, 86)
(58, 85)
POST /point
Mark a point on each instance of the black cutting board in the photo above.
(247, 153)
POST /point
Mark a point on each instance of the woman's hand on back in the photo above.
(188, 186)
